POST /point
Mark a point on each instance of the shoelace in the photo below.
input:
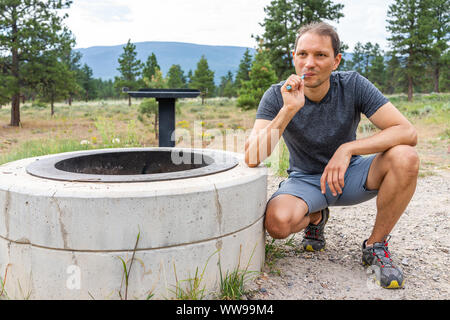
(381, 252)
(312, 232)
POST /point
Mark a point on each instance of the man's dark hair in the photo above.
(323, 29)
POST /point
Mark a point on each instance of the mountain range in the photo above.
(103, 60)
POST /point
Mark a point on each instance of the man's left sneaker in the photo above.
(314, 238)
(378, 258)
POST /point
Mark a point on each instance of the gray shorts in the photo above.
(307, 187)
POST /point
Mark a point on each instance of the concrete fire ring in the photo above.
(67, 239)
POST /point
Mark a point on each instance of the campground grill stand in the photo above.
(166, 108)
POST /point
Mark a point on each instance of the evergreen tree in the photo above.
(227, 87)
(410, 24)
(87, 83)
(377, 72)
(368, 60)
(150, 67)
(175, 77)
(72, 60)
(28, 30)
(357, 61)
(262, 76)
(282, 21)
(5, 81)
(245, 66)
(189, 78)
(57, 81)
(440, 12)
(395, 77)
(129, 68)
(203, 79)
(444, 79)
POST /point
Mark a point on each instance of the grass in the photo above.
(192, 287)
(232, 285)
(275, 250)
(126, 271)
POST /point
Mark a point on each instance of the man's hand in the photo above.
(293, 99)
(334, 172)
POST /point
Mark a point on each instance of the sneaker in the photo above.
(314, 239)
(378, 257)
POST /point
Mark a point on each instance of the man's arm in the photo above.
(265, 136)
(395, 130)
(265, 133)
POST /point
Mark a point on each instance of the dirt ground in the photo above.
(420, 245)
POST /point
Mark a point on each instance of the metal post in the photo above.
(166, 113)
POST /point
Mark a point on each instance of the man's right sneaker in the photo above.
(378, 258)
(314, 239)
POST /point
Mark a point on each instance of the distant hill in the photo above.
(221, 59)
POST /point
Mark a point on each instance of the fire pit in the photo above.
(69, 220)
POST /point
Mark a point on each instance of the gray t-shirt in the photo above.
(318, 129)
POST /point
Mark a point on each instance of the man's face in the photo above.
(314, 57)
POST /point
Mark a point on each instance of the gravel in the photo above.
(420, 246)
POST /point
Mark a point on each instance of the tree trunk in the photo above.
(410, 88)
(51, 106)
(15, 110)
(129, 100)
(436, 79)
(70, 100)
(15, 101)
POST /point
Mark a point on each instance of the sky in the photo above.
(210, 22)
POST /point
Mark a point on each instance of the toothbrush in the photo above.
(288, 87)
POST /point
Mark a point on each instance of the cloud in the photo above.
(103, 11)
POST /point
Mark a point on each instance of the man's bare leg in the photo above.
(286, 214)
(394, 173)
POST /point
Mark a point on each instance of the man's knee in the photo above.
(404, 159)
(277, 223)
(281, 216)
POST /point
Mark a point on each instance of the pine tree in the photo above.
(150, 67)
(227, 87)
(129, 68)
(28, 30)
(87, 83)
(283, 19)
(395, 77)
(245, 66)
(203, 79)
(57, 82)
(175, 77)
(262, 76)
(440, 12)
(411, 28)
(72, 60)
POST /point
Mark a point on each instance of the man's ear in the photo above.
(337, 61)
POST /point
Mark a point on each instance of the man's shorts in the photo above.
(307, 187)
